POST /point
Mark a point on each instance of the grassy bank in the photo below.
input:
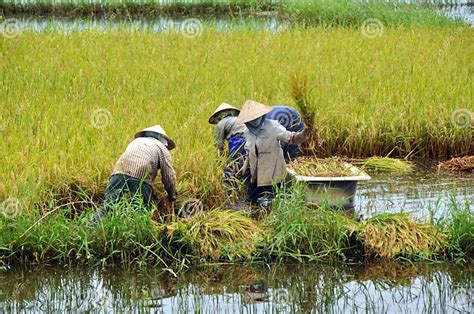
(71, 102)
(293, 231)
(320, 12)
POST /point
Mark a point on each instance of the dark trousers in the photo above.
(234, 181)
(290, 152)
(121, 184)
(261, 192)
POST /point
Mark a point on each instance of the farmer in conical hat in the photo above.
(263, 137)
(226, 129)
(224, 118)
(138, 167)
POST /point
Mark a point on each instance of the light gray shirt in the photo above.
(225, 129)
(266, 160)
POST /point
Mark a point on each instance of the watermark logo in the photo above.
(462, 118)
(190, 208)
(112, 16)
(449, 40)
(372, 28)
(191, 28)
(4, 124)
(285, 118)
(10, 207)
(281, 299)
(10, 28)
(101, 118)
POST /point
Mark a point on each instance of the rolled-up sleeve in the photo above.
(168, 175)
(281, 133)
(285, 136)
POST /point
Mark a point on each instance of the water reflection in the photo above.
(377, 288)
(422, 190)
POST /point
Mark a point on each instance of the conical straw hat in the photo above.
(157, 129)
(222, 107)
(252, 110)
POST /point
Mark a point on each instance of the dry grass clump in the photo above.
(393, 235)
(318, 167)
(459, 164)
(216, 234)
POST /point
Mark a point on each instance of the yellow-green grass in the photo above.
(393, 93)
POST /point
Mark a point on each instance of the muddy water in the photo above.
(379, 288)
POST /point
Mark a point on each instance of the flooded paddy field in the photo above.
(153, 14)
(418, 193)
(162, 24)
(77, 87)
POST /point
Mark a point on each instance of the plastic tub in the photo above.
(334, 191)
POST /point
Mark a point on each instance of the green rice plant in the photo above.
(458, 224)
(349, 13)
(399, 235)
(127, 235)
(124, 236)
(303, 232)
(385, 164)
(461, 232)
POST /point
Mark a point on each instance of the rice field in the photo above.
(386, 86)
(71, 102)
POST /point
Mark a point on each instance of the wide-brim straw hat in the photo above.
(252, 110)
(157, 129)
(222, 107)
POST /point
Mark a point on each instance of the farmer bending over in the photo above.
(138, 166)
(226, 129)
(266, 160)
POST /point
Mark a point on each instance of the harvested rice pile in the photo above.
(218, 234)
(392, 235)
(460, 164)
(385, 164)
(316, 167)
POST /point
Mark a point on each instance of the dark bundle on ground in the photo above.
(459, 164)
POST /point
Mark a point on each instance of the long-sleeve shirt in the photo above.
(266, 160)
(142, 159)
(225, 129)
